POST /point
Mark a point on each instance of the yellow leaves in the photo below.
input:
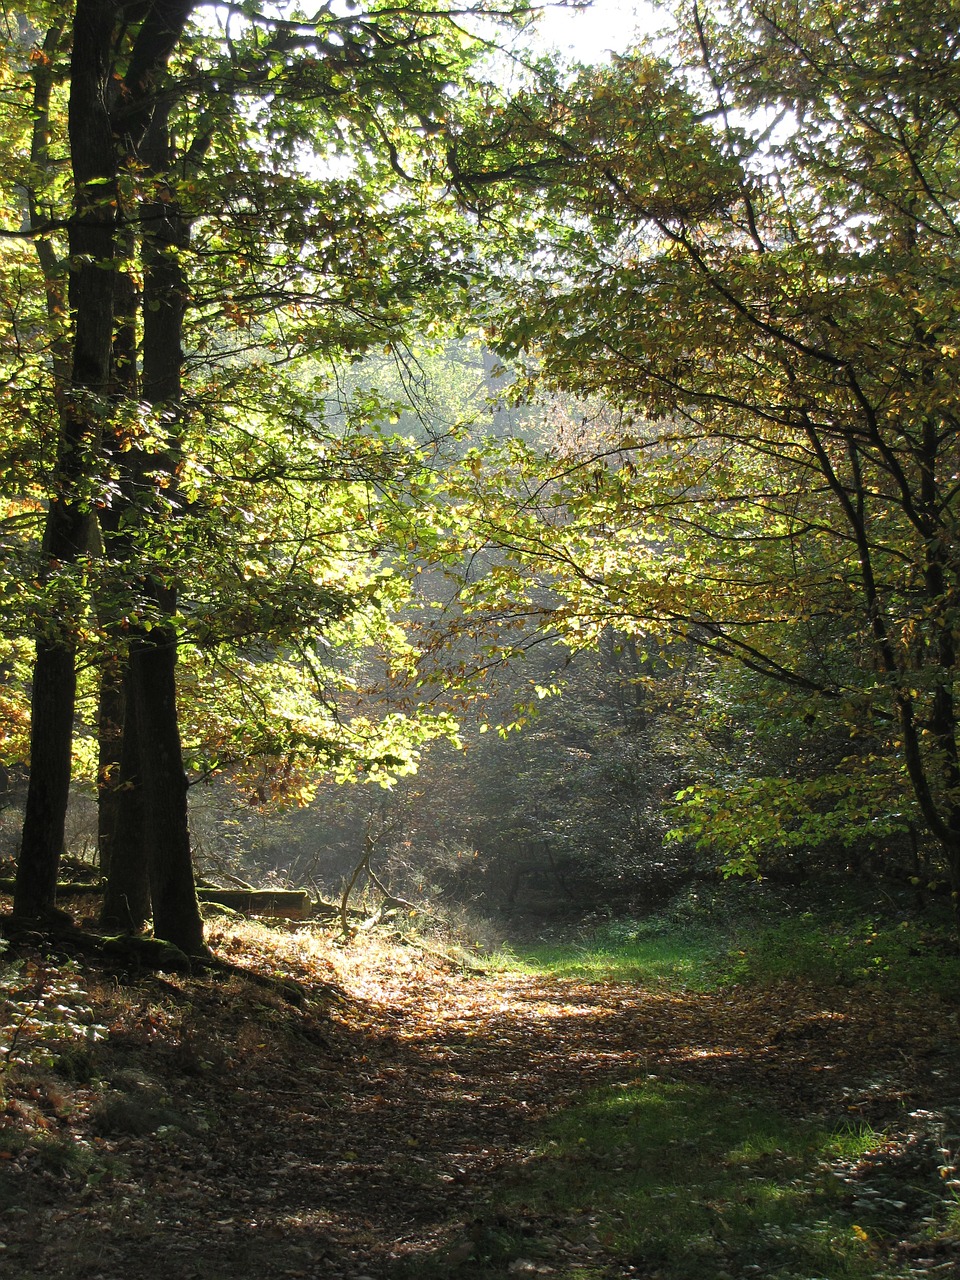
(305, 794)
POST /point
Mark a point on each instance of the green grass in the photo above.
(905, 955)
(631, 952)
(683, 1183)
(686, 1181)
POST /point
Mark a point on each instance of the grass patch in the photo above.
(900, 957)
(678, 1181)
(646, 953)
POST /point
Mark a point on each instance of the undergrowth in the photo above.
(702, 948)
(45, 1014)
(905, 955)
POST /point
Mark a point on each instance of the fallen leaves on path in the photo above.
(234, 1134)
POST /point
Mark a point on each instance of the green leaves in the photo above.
(751, 252)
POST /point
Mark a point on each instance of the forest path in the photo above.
(365, 1135)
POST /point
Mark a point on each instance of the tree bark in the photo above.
(54, 690)
(176, 912)
(110, 714)
(119, 805)
(126, 901)
(69, 522)
(151, 712)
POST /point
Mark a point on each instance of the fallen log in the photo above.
(292, 904)
(134, 950)
(65, 889)
(331, 911)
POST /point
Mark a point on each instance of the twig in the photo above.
(363, 864)
(8, 1052)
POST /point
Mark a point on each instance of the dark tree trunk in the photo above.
(69, 523)
(126, 901)
(108, 120)
(141, 770)
(54, 688)
(110, 714)
(151, 712)
(119, 809)
(951, 849)
(176, 912)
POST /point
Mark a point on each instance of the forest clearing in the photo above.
(393, 1110)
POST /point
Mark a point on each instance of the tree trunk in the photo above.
(54, 688)
(110, 714)
(151, 686)
(126, 901)
(951, 849)
(163, 782)
(143, 818)
(69, 523)
(119, 808)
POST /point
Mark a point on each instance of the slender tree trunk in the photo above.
(54, 689)
(951, 851)
(120, 808)
(110, 713)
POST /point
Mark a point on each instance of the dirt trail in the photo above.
(363, 1135)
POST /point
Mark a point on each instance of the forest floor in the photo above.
(397, 1115)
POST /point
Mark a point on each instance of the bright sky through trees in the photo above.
(589, 34)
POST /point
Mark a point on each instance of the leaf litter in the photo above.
(371, 1129)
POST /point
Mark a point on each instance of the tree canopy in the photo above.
(214, 199)
(736, 245)
(749, 249)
